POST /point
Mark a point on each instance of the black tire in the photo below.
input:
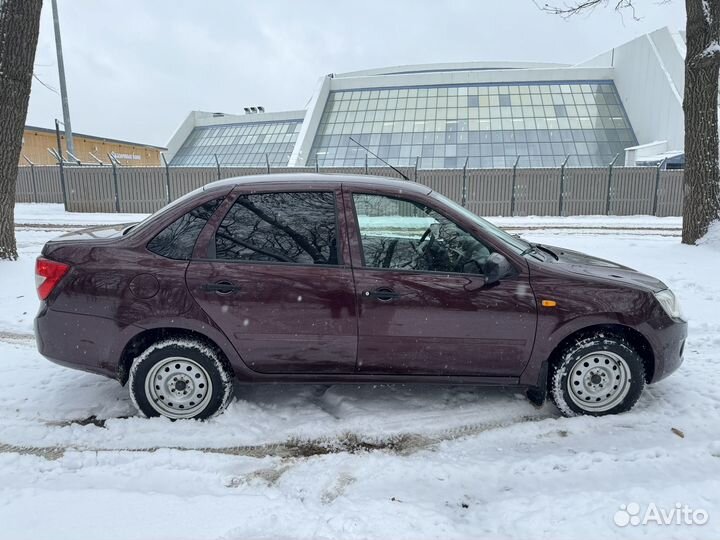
(605, 372)
(192, 381)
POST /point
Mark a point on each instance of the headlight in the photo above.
(669, 303)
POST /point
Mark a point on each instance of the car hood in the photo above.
(587, 265)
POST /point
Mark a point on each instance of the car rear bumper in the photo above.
(84, 342)
(668, 345)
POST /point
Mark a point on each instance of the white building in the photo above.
(624, 105)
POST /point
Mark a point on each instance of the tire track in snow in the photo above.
(401, 444)
(15, 337)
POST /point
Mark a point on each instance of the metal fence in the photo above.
(490, 192)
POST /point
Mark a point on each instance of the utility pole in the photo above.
(63, 87)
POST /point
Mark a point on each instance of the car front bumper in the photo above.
(668, 344)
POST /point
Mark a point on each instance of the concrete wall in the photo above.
(580, 73)
(649, 75)
(671, 50)
(448, 67)
(303, 145)
(181, 133)
(644, 151)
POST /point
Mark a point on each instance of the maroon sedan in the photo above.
(346, 279)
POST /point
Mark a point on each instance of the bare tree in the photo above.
(19, 28)
(700, 104)
(574, 8)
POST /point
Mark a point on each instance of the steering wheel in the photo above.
(417, 245)
(432, 253)
(429, 232)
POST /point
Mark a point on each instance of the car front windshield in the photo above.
(515, 242)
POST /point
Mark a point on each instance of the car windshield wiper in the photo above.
(528, 250)
(548, 250)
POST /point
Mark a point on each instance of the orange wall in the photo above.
(36, 143)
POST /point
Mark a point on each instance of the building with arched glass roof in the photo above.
(624, 105)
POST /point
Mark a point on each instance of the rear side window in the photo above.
(296, 228)
(177, 240)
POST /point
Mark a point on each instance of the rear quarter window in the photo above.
(177, 240)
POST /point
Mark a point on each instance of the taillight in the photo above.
(48, 274)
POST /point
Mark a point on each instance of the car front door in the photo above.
(424, 306)
(273, 277)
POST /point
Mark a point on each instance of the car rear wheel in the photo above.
(180, 379)
(597, 375)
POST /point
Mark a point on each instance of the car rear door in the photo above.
(274, 277)
(424, 306)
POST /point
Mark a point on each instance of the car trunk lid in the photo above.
(101, 232)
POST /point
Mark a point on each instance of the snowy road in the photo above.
(308, 461)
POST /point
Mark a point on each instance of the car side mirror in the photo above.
(496, 268)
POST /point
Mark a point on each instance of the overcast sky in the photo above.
(136, 68)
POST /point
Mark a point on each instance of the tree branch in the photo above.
(299, 239)
(567, 10)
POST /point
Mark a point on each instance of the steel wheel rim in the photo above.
(599, 381)
(178, 387)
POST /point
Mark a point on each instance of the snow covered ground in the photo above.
(54, 214)
(308, 461)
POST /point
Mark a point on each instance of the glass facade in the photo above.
(242, 145)
(489, 125)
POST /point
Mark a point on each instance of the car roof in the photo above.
(313, 179)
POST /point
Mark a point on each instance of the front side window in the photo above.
(405, 235)
(296, 228)
(177, 240)
(515, 242)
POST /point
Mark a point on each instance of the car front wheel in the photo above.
(180, 379)
(597, 375)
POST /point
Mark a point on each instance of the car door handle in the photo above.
(384, 294)
(221, 287)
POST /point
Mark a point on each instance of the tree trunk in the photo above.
(702, 173)
(19, 28)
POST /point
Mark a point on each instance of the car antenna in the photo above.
(381, 159)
